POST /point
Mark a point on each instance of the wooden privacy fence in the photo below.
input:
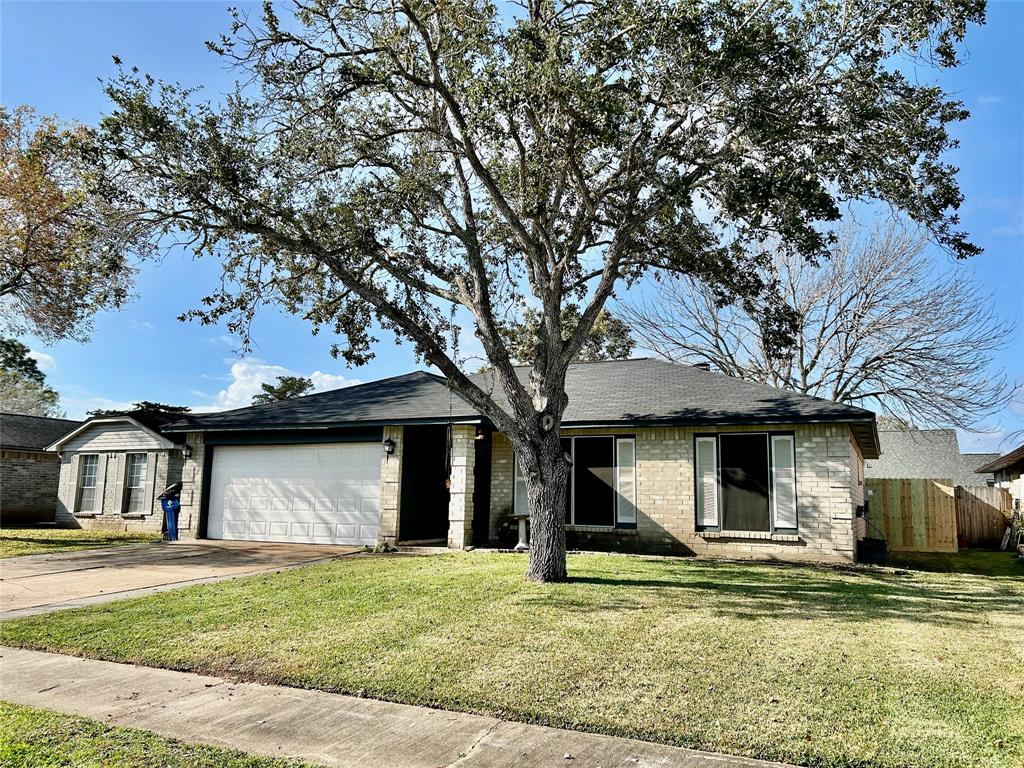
(913, 515)
(982, 514)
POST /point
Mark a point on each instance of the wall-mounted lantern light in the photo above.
(186, 451)
(389, 446)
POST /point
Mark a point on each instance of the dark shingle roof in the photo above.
(417, 396)
(628, 392)
(1006, 461)
(32, 433)
(926, 453)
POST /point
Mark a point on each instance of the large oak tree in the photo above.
(402, 164)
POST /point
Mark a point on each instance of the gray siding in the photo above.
(112, 437)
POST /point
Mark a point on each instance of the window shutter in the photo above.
(625, 481)
(119, 480)
(101, 482)
(521, 506)
(783, 482)
(147, 508)
(707, 482)
(71, 491)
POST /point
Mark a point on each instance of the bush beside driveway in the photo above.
(816, 666)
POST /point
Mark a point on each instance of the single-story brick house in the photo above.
(28, 473)
(666, 459)
(112, 469)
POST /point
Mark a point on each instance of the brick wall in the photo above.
(829, 485)
(28, 486)
(460, 503)
(391, 486)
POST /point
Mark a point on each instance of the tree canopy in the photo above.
(406, 167)
(23, 386)
(65, 252)
(286, 388)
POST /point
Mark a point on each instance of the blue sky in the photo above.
(52, 54)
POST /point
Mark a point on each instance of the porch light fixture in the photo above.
(186, 451)
(480, 434)
(389, 446)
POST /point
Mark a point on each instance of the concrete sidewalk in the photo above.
(315, 726)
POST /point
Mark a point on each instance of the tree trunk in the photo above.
(546, 472)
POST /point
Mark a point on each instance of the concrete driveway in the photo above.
(44, 583)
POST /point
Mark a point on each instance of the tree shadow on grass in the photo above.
(803, 592)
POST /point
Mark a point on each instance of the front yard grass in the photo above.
(818, 666)
(34, 738)
(16, 541)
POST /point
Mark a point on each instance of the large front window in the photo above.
(135, 483)
(746, 481)
(602, 482)
(87, 466)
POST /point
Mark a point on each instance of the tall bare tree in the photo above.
(402, 164)
(879, 326)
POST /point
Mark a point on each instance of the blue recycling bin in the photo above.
(171, 506)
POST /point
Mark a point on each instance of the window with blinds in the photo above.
(745, 481)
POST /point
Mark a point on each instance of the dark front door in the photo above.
(423, 514)
(744, 467)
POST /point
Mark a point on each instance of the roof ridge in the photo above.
(34, 416)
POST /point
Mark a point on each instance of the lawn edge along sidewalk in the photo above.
(315, 726)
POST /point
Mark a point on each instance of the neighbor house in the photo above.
(112, 469)
(666, 458)
(927, 454)
(1008, 473)
(28, 473)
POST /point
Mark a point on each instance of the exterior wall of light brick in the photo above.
(461, 486)
(502, 468)
(391, 487)
(28, 486)
(829, 472)
(162, 467)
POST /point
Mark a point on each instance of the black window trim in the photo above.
(769, 434)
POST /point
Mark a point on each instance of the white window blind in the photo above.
(707, 482)
(87, 472)
(521, 506)
(625, 481)
(783, 482)
(135, 483)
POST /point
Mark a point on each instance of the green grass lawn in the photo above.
(816, 666)
(38, 738)
(977, 561)
(15, 541)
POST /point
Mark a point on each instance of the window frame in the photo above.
(128, 494)
(571, 522)
(79, 487)
(772, 528)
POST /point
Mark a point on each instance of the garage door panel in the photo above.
(327, 493)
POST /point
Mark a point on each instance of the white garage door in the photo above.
(324, 494)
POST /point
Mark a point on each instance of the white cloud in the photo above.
(140, 325)
(986, 100)
(249, 373)
(45, 362)
(77, 403)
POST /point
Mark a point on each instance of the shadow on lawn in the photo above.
(802, 592)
